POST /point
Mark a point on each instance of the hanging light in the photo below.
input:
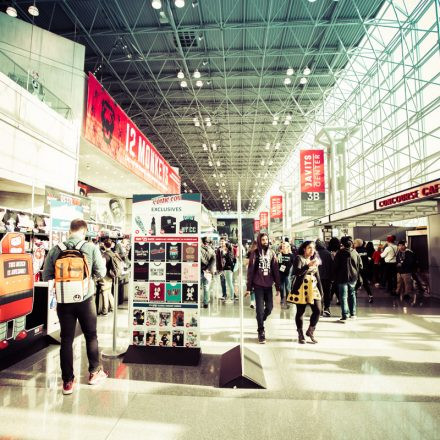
(199, 83)
(218, 163)
(33, 10)
(205, 147)
(277, 146)
(223, 184)
(274, 122)
(197, 74)
(183, 84)
(287, 81)
(180, 75)
(197, 124)
(288, 117)
(306, 71)
(179, 3)
(11, 11)
(214, 147)
(266, 174)
(270, 164)
(267, 145)
(210, 163)
(214, 175)
(262, 162)
(195, 120)
(157, 4)
(303, 80)
(286, 122)
(289, 71)
(221, 174)
(208, 124)
(217, 184)
(276, 117)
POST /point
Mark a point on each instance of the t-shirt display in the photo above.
(188, 226)
(166, 271)
(157, 252)
(168, 224)
(190, 252)
(174, 251)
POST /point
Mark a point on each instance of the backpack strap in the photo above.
(80, 245)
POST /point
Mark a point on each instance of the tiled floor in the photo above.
(374, 378)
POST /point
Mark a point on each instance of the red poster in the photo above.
(264, 220)
(312, 171)
(276, 207)
(256, 225)
(112, 131)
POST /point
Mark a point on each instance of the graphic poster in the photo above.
(165, 300)
(276, 214)
(312, 183)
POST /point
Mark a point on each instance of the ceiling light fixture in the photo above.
(197, 124)
(33, 10)
(181, 3)
(214, 175)
(180, 75)
(287, 81)
(210, 163)
(276, 117)
(267, 146)
(217, 184)
(195, 3)
(218, 163)
(288, 117)
(306, 71)
(214, 147)
(286, 122)
(274, 122)
(199, 83)
(270, 164)
(208, 124)
(11, 11)
(183, 84)
(289, 71)
(221, 174)
(157, 4)
(303, 80)
(207, 119)
(277, 146)
(205, 147)
(197, 74)
(262, 162)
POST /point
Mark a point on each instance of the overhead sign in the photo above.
(264, 221)
(110, 129)
(276, 212)
(430, 189)
(256, 225)
(312, 183)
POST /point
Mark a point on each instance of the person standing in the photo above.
(262, 273)
(285, 262)
(225, 266)
(364, 279)
(207, 260)
(348, 265)
(252, 248)
(378, 267)
(389, 255)
(107, 284)
(306, 289)
(326, 275)
(83, 311)
(406, 264)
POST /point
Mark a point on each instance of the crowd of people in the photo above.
(313, 275)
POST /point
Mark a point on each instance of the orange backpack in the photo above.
(72, 274)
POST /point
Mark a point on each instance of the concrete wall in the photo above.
(434, 253)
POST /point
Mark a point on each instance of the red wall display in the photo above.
(264, 220)
(110, 129)
(312, 183)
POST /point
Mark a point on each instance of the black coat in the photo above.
(326, 268)
(299, 271)
(348, 266)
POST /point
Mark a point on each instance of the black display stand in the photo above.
(163, 355)
(237, 374)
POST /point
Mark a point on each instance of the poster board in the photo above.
(164, 299)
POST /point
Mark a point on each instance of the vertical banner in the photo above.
(264, 221)
(164, 302)
(312, 183)
(276, 214)
(256, 225)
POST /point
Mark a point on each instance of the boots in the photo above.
(301, 338)
(310, 332)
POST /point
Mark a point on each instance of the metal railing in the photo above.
(32, 83)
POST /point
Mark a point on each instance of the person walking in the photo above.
(285, 262)
(207, 267)
(389, 255)
(306, 289)
(108, 301)
(348, 265)
(225, 266)
(365, 274)
(251, 249)
(406, 264)
(326, 275)
(83, 311)
(262, 274)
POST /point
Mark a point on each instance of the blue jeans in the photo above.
(285, 287)
(230, 282)
(205, 284)
(347, 297)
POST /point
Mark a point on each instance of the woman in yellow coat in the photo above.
(306, 289)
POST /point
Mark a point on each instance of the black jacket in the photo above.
(326, 268)
(406, 261)
(299, 271)
(225, 262)
(285, 260)
(348, 266)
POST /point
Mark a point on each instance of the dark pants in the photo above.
(68, 314)
(314, 318)
(263, 304)
(365, 283)
(391, 277)
(285, 287)
(223, 283)
(328, 293)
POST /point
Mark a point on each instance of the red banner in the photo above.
(256, 225)
(112, 131)
(276, 207)
(312, 171)
(264, 220)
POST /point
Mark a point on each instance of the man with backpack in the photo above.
(262, 273)
(72, 265)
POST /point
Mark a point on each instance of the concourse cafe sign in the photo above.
(276, 212)
(113, 132)
(264, 221)
(312, 183)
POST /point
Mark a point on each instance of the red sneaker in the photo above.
(97, 377)
(68, 387)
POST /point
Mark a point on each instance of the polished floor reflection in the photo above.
(374, 378)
